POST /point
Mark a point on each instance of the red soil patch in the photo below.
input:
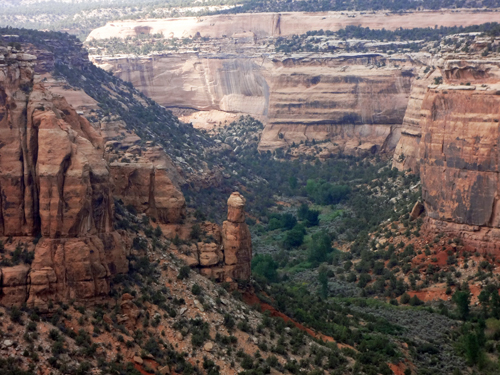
(397, 369)
(431, 294)
(283, 203)
(151, 364)
(252, 299)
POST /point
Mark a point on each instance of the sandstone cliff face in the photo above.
(459, 164)
(226, 83)
(407, 151)
(54, 183)
(355, 101)
(58, 183)
(143, 176)
(454, 147)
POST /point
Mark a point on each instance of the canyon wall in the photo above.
(204, 83)
(58, 183)
(450, 135)
(353, 100)
(286, 23)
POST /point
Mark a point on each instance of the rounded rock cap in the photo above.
(236, 200)
(236, 208)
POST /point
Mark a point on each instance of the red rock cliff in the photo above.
(457, 151)
(57, 184)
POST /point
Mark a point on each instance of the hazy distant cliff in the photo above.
(351, 98)
(355, 100)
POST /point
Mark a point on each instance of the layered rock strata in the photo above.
(265, 25)
(57, 185)
(355, 101)
(454, 147)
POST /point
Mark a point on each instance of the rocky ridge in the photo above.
(61, 177)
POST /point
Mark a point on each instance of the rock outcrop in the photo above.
(143, 175)
(229, 257)
(58, 185)
(454, 147)
(407, 151)
(354, 102)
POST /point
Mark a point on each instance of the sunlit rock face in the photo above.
(356, 101)
(59, 177)
(454, 147)
(229, 84)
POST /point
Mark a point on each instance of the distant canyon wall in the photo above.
(225, 83)
(283, 24)
(357, 101)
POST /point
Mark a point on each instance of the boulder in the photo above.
(236, 208)
(417, 210)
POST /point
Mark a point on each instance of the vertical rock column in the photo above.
(236, 240)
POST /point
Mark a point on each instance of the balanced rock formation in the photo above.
(236, 239)
(229, 257)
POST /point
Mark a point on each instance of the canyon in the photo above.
(232, 67)
(111, 220)
(435, 110)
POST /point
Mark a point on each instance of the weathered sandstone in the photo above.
(55, 183)
(59, 176)
(228, 258)
(294, 95)
(450, 137)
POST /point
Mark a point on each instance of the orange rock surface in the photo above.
(57, 183)
(229, 257)
(454, 147)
